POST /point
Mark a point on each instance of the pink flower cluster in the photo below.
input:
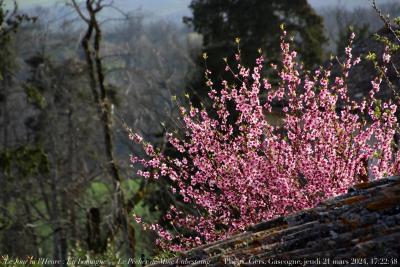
(235, 174)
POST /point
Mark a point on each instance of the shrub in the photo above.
(236, 169)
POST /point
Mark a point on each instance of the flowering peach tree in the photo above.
(235, 173)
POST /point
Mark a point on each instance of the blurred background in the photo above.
(73, 74)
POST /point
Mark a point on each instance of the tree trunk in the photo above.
(97, 85)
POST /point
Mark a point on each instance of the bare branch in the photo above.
(386, 21)
(79, 11)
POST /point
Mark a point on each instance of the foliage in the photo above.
(10, 21)
(79, 256)
(393, 46)
(256, 22)
(239, 171)
(34, 96)
(23, 162)
(52, 164)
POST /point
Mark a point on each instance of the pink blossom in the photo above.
(386, 56)
(239, 170)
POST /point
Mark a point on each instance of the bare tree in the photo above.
(338, 19)
(91, 43)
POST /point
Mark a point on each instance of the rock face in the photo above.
(359, 228)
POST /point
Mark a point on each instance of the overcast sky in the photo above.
(178, 8)
(316, 3)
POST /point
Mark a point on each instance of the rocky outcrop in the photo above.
(359, 228)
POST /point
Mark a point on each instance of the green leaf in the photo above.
(35, 97)
(377, 112)
(371, 56)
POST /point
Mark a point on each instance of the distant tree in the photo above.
(27, 159)
(91, 43)
(256, 23)
(150, 79)
(10, 22)
(363, 20)
(46, 159)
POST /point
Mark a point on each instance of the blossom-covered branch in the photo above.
(237, 169)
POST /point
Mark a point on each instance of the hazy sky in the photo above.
(178, 8)
(346, 3)
(157, 7)
(317, 3)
